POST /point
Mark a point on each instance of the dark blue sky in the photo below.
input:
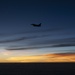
(57, 33)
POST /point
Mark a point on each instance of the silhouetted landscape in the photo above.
(37, 68)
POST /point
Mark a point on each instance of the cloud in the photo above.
(27, 48)
(41, 44)
(22, 48)
(19, 39)
(35, 31)
(13, 40)
(24, 38)
(29, 37)
(53, 41)
(38, 47)
(64, 54)
(63, 45)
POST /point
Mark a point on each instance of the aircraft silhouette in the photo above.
(37, 25)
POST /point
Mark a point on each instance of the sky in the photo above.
(19, 38)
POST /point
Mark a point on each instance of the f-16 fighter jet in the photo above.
(36, 25)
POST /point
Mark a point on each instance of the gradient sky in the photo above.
(18, 37)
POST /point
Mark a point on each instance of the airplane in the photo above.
(37, 25)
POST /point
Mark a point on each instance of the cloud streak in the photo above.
(38, 47)
(63, 45)
(27, 32)
(27, 37)
(13, 40)
(24, 38)
(53, 41)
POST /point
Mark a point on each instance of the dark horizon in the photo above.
(37, 68)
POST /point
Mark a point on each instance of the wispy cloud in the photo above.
(13, 40)
(38, 47)
(22, 38)
(41, 44)
(28, 37)
(29, 32)
(53, 41)
(64, 45)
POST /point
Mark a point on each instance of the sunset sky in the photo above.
(20, 41)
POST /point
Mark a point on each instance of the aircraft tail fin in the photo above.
(40, 24)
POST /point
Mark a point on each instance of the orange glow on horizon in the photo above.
(61, 57)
